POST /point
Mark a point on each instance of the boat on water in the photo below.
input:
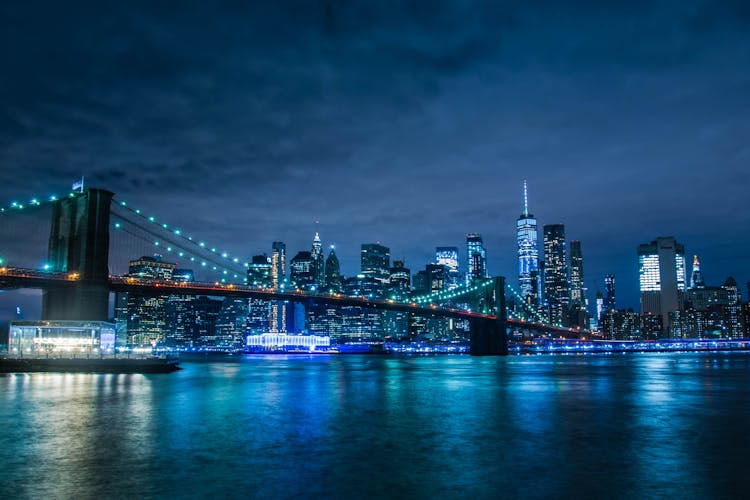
(165, 364)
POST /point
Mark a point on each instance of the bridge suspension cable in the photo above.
(165, 238)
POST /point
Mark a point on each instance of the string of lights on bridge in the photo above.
(221, 261)
(33, 202)
(217, 260)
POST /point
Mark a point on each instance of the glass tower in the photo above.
(661, 270)
(556, 273)
(476, 258)
(528, 253)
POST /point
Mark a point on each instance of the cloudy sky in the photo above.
(405, 122)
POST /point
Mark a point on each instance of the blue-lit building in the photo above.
(476, 258)
(528, 253)
(556, 289)
(448, 258)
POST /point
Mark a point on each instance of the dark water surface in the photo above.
(604, 426)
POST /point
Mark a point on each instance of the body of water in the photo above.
(581, 426)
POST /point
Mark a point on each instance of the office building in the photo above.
(318, 262)
(376, 261)
(476, 258)
(661, 265)
(556, 288)
(610, 304)
(333, 279)
(448, 258)
(578, 316)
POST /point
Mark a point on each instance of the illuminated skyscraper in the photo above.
(259, 310)
(528, 252)
(278, 323)
(278, 264)
(318, 267)
(333, 272)
(400, 279)
(578, 316)
(376, 261)
(476, 258)
(556, 273)
(448, 258)
(599, 306)
(609, 286)
(301, 270)
(146, 316)
(661, 269)
(696, 278)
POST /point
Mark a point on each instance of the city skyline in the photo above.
(340, 116)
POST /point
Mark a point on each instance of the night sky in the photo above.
(409, 123)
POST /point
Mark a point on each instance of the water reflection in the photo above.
(360, 426)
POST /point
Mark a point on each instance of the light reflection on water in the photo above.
(608, 426)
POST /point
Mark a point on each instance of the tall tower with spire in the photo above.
(318, 268)
(696, 279)
(528, 252)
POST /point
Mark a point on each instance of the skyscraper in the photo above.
(332, 272)
(400, 278)
(278, 264)
(259, 310)
(609, 286)
(661, 269)
(696, 278)
(578, 316)
(277, 322)
(376, 261)
(556, 273)
(528, 252)
(318, 267)
(476, 258)
(448, 258)
(302, 270)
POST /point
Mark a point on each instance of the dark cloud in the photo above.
(407, 122)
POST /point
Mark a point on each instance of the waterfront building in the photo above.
(621, 324)
(732, 310)
(476, 258)
(662, 277)
(333, 279)
(282, 341)
(144, 317)
(448, 258)
(376, 261)
(556, 288)
(528, 253)
(42, 338)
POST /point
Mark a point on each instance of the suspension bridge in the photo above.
(89, 239)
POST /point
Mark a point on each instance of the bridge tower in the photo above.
(79, 243)
(489, 337)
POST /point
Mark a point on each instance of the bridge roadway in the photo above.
(11, 278)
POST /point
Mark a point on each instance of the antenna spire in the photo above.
(525, 200)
